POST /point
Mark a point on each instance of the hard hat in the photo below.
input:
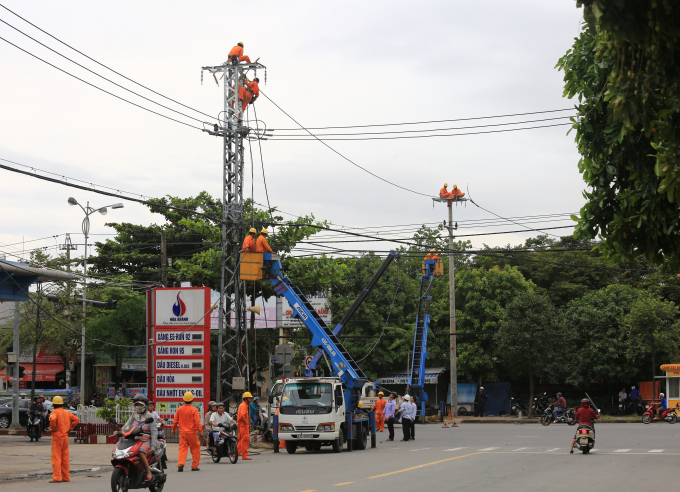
(361, 404)
(380, 393)
(252, 231)
(264, 231)
(57, 400)
(481, 387)
(446, 184)
(188, 396)
(256, 79)
(247, 395)
(432, 249)
(407, 398)
(455, 186)
(240, 43)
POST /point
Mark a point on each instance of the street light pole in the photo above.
(86, 231)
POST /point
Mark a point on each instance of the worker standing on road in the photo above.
(236, 54)
(61, 422)
(249, 241)
(379, 409)
(243, 421)
(189, 422)
(262, 244)
(390, 410)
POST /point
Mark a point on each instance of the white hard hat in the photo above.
(632, 387)
(407, 398)
(481, 387)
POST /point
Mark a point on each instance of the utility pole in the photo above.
(232, 335)
(68, 246)
(15, 378)
(452, 302)
(164, 259)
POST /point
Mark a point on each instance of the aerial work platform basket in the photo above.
(251, 266)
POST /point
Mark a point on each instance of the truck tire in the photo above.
(339, 442)
(291, 447)
(362, 438)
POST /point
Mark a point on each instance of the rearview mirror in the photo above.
(112, 421)
(150, 420)
(338, 396)
(271, 399)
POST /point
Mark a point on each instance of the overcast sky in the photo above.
(328, 64)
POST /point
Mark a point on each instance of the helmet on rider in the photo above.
(140, 401)
(559, 394)
(585, 402)
(661, 395)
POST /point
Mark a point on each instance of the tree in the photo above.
(481, 299)
(624, 70)
(528, 337)
(653, 326)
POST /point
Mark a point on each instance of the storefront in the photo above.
(672, 383)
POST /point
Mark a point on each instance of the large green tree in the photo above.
(624, 70)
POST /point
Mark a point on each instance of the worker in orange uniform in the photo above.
(436, 256)
(379, 409)
(189, 423)
(456, 192)
(61, 422)
(249, 242)
(243, 420)
(262, 244)
(429, 255)
(236, 54)
(254, 87)
(444, 192)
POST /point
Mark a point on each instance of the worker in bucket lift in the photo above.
(444, 192)
(456, 192)
(249, 242)
(236, 54)
(430, 255)
(262, 244)
(436, 256)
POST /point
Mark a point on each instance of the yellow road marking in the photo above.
(344, 483)
(426, 464)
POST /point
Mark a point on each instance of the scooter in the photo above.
(128, 472)
(585, 438)
(225, 443)
(669, 415)
(33, 426)
(566, 417)
(517, 405)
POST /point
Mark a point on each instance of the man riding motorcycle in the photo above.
(661, 406)
(584, 416)
(560, 405)
(150, 431)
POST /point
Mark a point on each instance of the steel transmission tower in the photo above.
(233, 351)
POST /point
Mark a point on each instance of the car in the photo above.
(6, 413)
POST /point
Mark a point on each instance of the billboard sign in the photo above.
(318, 302)
(182, 306)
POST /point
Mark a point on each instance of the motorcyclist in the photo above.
(149, 437)
(217, 418)
(584, 416)
(212, 408)
(36, 409)
(255, 411)
(560, 405)
(661, 406)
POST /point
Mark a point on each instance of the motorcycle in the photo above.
(539, 406)
(225, 443)
(566, 417)
(669, 415)
(34, 426)
(128, 472)
(585, 438)
(517, 406)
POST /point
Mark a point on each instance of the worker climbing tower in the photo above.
(233, 350)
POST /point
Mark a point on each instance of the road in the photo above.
(484, 456)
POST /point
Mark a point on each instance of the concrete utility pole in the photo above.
(232, 335)
(68, 246)
(15, 377)
(164, 259)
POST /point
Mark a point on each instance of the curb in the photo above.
(44, 474)
(523, 421)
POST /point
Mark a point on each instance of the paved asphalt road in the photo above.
(482, 456)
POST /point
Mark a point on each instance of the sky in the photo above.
(328, 64)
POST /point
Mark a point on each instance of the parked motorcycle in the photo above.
(225, 443)
(669, 415)
(517, 405)
(34, 426)
(128, 472)
(585, 438)
(540, 405)
(566, 417)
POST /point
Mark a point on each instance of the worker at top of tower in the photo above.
(254, 87)
(444, 193)
(262, 244)
(249, 242)
(456, 192)
(236, 54)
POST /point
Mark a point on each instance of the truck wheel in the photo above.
(362, 438)
(291, 447)
(339, 442)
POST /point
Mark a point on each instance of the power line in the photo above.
(101, 64)
(427, 122)
(99, 88)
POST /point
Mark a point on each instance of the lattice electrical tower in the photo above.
(233, 351)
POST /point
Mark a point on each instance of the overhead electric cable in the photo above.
(106, 67)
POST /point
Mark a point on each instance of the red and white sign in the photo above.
(308, 359)
(179, 359)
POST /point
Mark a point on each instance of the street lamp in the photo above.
(86, 231)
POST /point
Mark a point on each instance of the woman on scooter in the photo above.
(584, 416)
(150, 431)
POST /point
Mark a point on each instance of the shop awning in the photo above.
(43, 372)
(431, 376)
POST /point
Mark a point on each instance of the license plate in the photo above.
(584, 440)
(305, 436)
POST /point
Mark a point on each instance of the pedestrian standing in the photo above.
(379, 409)
(243, 421)
(61, 422)
(407, 417)
(480, 400)
(414, 413)
(390, 410)
(189, 422)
